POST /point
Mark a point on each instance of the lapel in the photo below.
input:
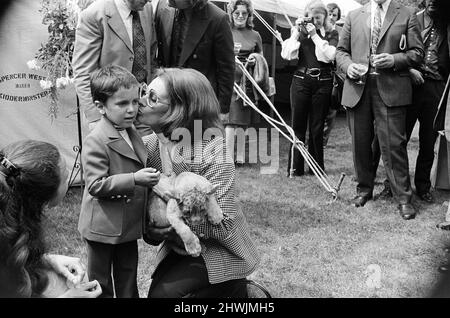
(139, 147)
(422, 22)
(196, 29)
(421, 18)
(365, 19)
(391, 13)
(116, 142)
(116, 24)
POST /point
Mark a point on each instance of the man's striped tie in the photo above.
(376, 29)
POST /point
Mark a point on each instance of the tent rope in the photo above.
(312, 163)
(274, 32)
(285, 14)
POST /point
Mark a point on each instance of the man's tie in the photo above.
(376, 29)
(140, 52)
(177, 31)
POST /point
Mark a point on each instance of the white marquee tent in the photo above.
(295, 8)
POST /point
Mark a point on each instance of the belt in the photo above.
(315, 72)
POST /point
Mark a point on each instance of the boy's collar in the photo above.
(117, 127)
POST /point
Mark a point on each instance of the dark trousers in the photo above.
(118, 262)
(371, 116)
(424, 108)
(185, 276)
(310, 100)
(335, 105)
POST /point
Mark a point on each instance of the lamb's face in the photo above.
(193, 205)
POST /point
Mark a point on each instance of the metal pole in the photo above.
(274, 59)
(80, 141)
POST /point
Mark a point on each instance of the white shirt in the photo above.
(125, 136)
(127, 18)
(324, 52)
(166, 148)
(373, 8)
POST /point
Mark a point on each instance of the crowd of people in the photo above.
(143, 72)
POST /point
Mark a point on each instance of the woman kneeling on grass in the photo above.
(34, 175)
(174, 100)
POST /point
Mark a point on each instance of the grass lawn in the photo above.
(309, 246)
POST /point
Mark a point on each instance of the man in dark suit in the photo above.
(429, 80)
(389, 31)
(196, 34)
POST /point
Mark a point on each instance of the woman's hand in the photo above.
(311, 28)
(295, 32)
(69, 267)
(85, 290)
(299, 21)
(157, 235)
(251, 60)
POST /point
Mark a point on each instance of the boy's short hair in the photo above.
(108, 80)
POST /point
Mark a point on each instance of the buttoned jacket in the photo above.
(113, 206)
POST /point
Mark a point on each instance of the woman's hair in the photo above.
(191, 98)
(317, 6)
(24, 191)
(232, 6)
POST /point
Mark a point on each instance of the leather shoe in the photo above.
(427, 197)
(444, 269)
(407, 211)
(361, 200)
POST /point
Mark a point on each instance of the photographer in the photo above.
(313, 41)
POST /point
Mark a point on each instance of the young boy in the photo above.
(117, 180)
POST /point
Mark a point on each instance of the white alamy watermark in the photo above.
(262, 145)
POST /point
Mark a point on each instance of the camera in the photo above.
(307, 20)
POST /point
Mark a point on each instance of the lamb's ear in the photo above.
(213, 189)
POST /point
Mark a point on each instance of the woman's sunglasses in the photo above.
(150, 96)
